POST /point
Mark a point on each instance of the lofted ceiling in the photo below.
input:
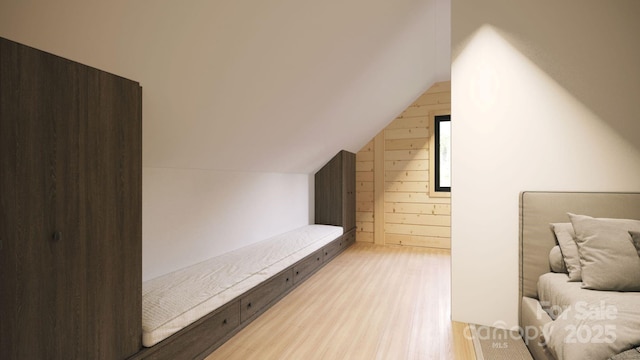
(248, 85)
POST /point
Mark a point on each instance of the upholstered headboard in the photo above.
(539, 209)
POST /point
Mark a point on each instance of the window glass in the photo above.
(443, 153)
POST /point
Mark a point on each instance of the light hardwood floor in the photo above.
(370, 302)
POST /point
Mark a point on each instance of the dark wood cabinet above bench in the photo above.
(335, 195)
(70, 225)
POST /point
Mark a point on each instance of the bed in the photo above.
(595, 315)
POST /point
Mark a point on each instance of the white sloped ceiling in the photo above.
(248, 85)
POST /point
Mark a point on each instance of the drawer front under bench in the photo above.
(198, 337)
(333, 248)
(265, 293)
(350, 238)
(338, 245)
(307, 266)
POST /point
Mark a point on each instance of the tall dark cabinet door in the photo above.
(111, 163)
(52, 185)
(41, 283)
(328, 193)
(335, 192)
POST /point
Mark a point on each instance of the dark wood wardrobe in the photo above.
(70, 209)
(335, 192)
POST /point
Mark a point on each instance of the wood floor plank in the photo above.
(370, 302)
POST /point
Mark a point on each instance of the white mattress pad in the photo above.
(173, 301)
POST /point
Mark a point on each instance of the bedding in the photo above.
(632, 354)
(175, 300)
(538, 209)
(588, 324)
(608, 259)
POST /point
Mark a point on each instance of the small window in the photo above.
(440, 153)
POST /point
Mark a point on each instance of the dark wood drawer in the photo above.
(333, 248)
(199, 337)
(265, 293)
(350, 238)
(307, 266)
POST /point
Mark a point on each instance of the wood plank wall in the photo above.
(406, 214)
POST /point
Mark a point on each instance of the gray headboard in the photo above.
(539, 209)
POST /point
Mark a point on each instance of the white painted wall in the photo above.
(191, 215)
(544, 97)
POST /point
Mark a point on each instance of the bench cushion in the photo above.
(173, 301)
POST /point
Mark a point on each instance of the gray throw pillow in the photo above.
(566, 239)
(608, 259)
(556, 262)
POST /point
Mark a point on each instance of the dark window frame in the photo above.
(437, 120)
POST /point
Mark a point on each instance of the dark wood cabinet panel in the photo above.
(70, 185)
(112, 214)
(335, 201)
(63, 97)
(40, 123)
(328, 193)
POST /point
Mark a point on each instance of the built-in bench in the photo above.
(190, 312)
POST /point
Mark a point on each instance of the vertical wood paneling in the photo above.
(378, 189)
(410, 215)
(364, 193)
(349, 190)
